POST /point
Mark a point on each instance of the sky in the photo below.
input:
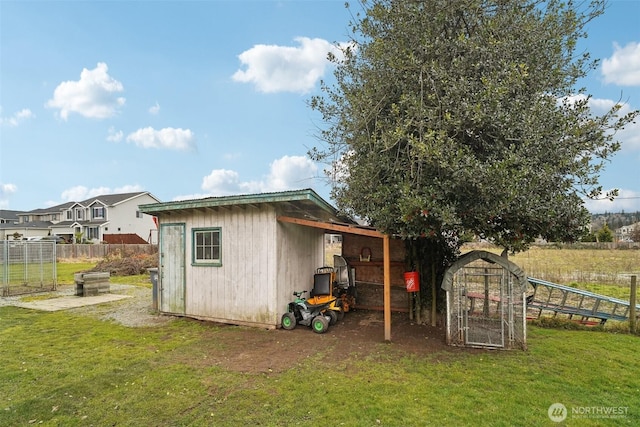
(190, 99)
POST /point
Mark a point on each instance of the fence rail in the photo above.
(73, 251)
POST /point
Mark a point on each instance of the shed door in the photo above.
(172, 278)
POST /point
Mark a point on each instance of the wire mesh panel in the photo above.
(485, 298)
(27, 266)
(486, 306)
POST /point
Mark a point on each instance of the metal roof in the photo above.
(297, 203)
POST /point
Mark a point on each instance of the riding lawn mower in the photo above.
(322, 303)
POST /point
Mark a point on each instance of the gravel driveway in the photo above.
(136, 311)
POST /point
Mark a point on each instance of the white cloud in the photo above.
(629, 137)
(181, 197)
(273, 68)
(17, 118)
(223, 182)
(627, 200)
(338, 170)
(114, 136)
(171, 138)
(6, 190)
(80, 192)
(286, 173)
(232, 156)
(623, 67)
(154, 109)
(95, 95)
(290, 172)
(598, 106)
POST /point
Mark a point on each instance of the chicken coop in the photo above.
(486, 302)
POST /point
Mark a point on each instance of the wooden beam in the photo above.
(387, 286)
(350, 229)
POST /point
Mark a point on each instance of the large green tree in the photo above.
(457, 117)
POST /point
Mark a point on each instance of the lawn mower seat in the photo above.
(321, 284)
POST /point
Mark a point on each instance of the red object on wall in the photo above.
(412, 281)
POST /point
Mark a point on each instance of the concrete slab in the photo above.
(65, 303)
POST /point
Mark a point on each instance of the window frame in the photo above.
(214, 262)
(100, 209)
(93, 233)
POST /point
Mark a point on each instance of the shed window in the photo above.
(206, 246)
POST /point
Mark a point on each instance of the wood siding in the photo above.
(263, 262)
(300, 253)
(369, 275)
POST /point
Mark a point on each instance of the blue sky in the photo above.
(198, 98)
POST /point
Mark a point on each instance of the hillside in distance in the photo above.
(614, 220)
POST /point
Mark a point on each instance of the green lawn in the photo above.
(65, 369)
(66, 270)
(61, 369)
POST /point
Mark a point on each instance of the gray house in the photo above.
(238, 259)
(93, 219)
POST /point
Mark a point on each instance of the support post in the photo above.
(387, 287)
(434, 295)
(485, 303)
(632, 306)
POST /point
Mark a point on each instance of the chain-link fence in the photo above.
(27, 267)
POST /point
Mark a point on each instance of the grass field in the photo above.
(603, 271)
(65, 369)
(606, 266)
(60, 369)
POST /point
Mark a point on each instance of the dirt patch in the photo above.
(360, 335)
(252, 350)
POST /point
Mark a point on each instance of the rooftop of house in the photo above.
(105, 199)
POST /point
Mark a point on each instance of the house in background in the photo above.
(91, 219)
(231, 260)
(627, 233)
(7, 218)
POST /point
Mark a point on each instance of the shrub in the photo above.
(119, 264)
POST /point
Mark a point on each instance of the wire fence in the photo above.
(27, 267)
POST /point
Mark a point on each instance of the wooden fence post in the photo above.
(632, 306)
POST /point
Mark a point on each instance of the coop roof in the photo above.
(488, 257)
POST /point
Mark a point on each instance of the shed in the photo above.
(231, 260)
